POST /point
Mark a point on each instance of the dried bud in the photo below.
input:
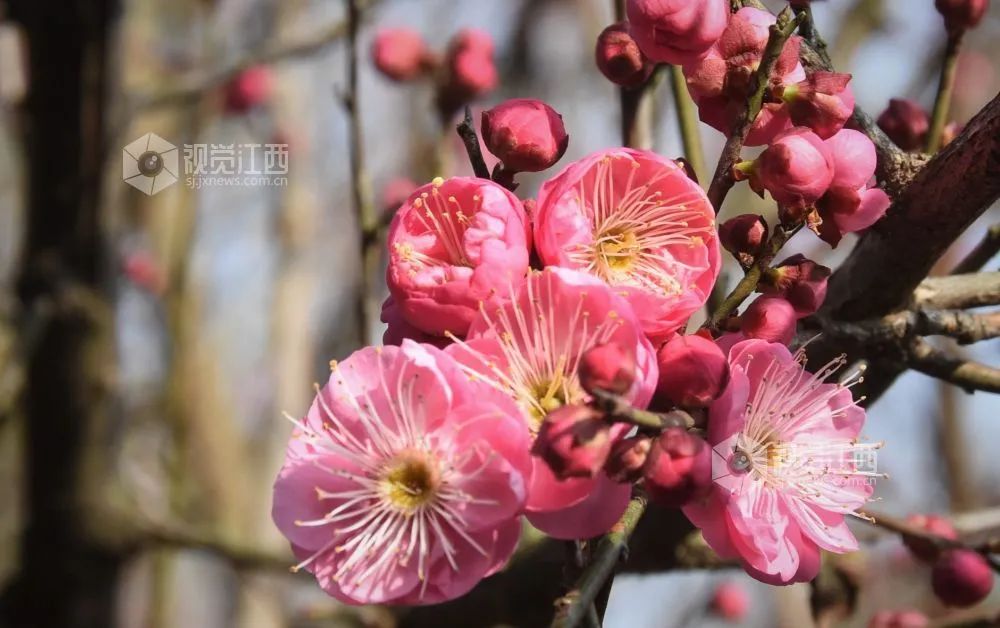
(676, 31)
(526, 135)
(574, 441)
(769, 318)
(906, 123)
(961, 15)
(796, 168)
(744, 236)
(471, 70)
(248, 89)
(921, 548)
(961, 578)
(608, 367)
(678, 469)
(693, 371)
(801, 281)
(730, 601)
(400, 53)
(627, 458)
(619, 58)
(899, 619)
(823, 102)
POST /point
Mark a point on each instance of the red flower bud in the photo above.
(400, 53)
(899, 619)
(801, 281)
(939, 526)
(678, 469)
(906, 123)
(471, 70)
(730, 601)
(627, 458)
(574, 441)
(796, 168)
(823, 102)
(693, 371)
(526, 135)
(744, 236)
(961, 578)
(769, 318)
(248, 89)
(961, 15)
(676, 31)
(608, 367)
(619, 58)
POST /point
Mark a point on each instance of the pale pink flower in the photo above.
(452, 244)
(405, 481)
(530, 347)
(676, 31)
(720, 82)
(785, 451)
(637, 222)
(849, 205)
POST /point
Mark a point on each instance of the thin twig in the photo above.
(467, 131)
(958, 291)
(946, 86)
(574, 606)
(364, 205)
(978, 257)
(966, 374)
(623, 412)
(908, 530)
(722, 180)
(687, 122)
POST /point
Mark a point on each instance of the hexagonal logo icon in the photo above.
(150, 164)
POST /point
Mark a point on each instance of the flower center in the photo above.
(409, 481)
(617, 249)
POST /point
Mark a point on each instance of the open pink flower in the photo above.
(720, 82)
(530, 348)
(849, 205)
(452, 244)
(785, 465)
(676, 31)
(636, 221)
(405, 481)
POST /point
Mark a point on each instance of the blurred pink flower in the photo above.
(405, 481)
(453, 244)
(471, 71)
(636, 221)
(250, 88)
(619, 58)
(720, 82)
(400, 53)
(730, 601)
(676, 31)
(785, 445)
(530, 348)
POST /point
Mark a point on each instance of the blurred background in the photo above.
(196, 316)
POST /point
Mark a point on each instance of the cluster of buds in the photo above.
(464, 72)
(959, 577)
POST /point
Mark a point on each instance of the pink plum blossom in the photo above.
(404, 482)
(797, 168)
(634, 220)
(676, 31)
(784, 445)
(720, 82)
(693, 371)
(849, 205)
(452, 244)
(823, 102)
(530, 347)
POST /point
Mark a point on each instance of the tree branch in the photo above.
(978, 257)
(722, 180)
(966, 374)
(467, 131)
(946, 85)
(958, 291)
(965, 327)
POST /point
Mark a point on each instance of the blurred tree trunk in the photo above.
(65, 579)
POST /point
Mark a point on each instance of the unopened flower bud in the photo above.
(526, 134)
(574, 441)
(693, 371)
(744, 236)
(607, 367)
(248, 89)
(961, 578)
(400, 53)
(905, 122)
(939, 526)
(961, 15)
(801, 281)
(796, 168)
(627, 458)
(676, 31)
(730, 601)
(769, 318)
(619, 58)
(678, 469)
(471, 69)
(823, 102)
(899, 619)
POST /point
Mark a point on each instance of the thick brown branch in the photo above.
(965, 327)
(958, 291)
(968, 375)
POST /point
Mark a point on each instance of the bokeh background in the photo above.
(228, 302)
